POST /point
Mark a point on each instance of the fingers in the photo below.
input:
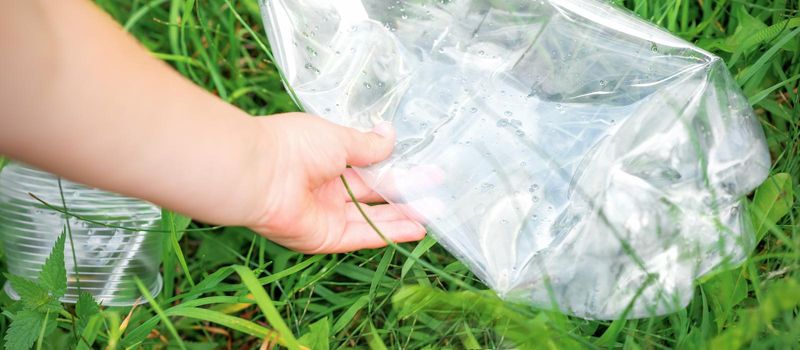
(395, 182)
(360, 235)
(365, 148)
(384, 212)
(361, 191)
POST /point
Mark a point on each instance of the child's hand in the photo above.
(304, 205)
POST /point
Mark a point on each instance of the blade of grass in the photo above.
(265, 304)
(762, 61)
(160, 312)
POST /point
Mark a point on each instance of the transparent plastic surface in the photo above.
(568, 152)
(109, 255)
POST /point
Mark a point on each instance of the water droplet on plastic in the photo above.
(507, 113)
(311, 67)
(603, 83)
(311, 51)
(368, 85)
(379, 84)
(481, 53)
(520, 133)
(502, 123)
(486, 186)
(473, 110)
(535, 199)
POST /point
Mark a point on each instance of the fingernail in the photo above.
(384, 129)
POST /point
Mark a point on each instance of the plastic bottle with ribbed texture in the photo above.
(116, 238)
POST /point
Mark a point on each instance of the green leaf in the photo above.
(28, 290)
(772, 201)
(383, 266)
(25, 329)
(747, 26)
(374, 340)
(763, 62)
(420, 249)
(222, 249)
(85, 308)
(174, 221)
(348, 316)
(33, 296)
(160, 312)
(53, 276)
(90, 331)
(484, 307)
(176, 225)
(468, 340)
(318, 335)
(725, 291)
(140, 333)
(265, 304)
(761, 33)
(782, 296)
(232, 322)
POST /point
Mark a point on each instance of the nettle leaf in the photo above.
(772, 201)
(32, 295)
(27, 289)
(85, 309)
(53, 276)
(25, 329)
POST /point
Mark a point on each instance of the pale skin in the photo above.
(82, 99)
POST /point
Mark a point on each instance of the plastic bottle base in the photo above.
(102, 301)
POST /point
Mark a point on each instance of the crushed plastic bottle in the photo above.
(118, 245)
(568, 152)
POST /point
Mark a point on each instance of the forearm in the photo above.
(108, 114)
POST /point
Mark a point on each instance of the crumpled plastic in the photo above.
(572, 155)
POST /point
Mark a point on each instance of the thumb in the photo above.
(365, 148)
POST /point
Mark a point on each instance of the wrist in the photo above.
(259, 173)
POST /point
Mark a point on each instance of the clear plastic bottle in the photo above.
(117, 242)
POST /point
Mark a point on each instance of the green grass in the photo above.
(213, 299)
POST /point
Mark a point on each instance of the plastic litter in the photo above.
(568, 152)
(111, 252)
